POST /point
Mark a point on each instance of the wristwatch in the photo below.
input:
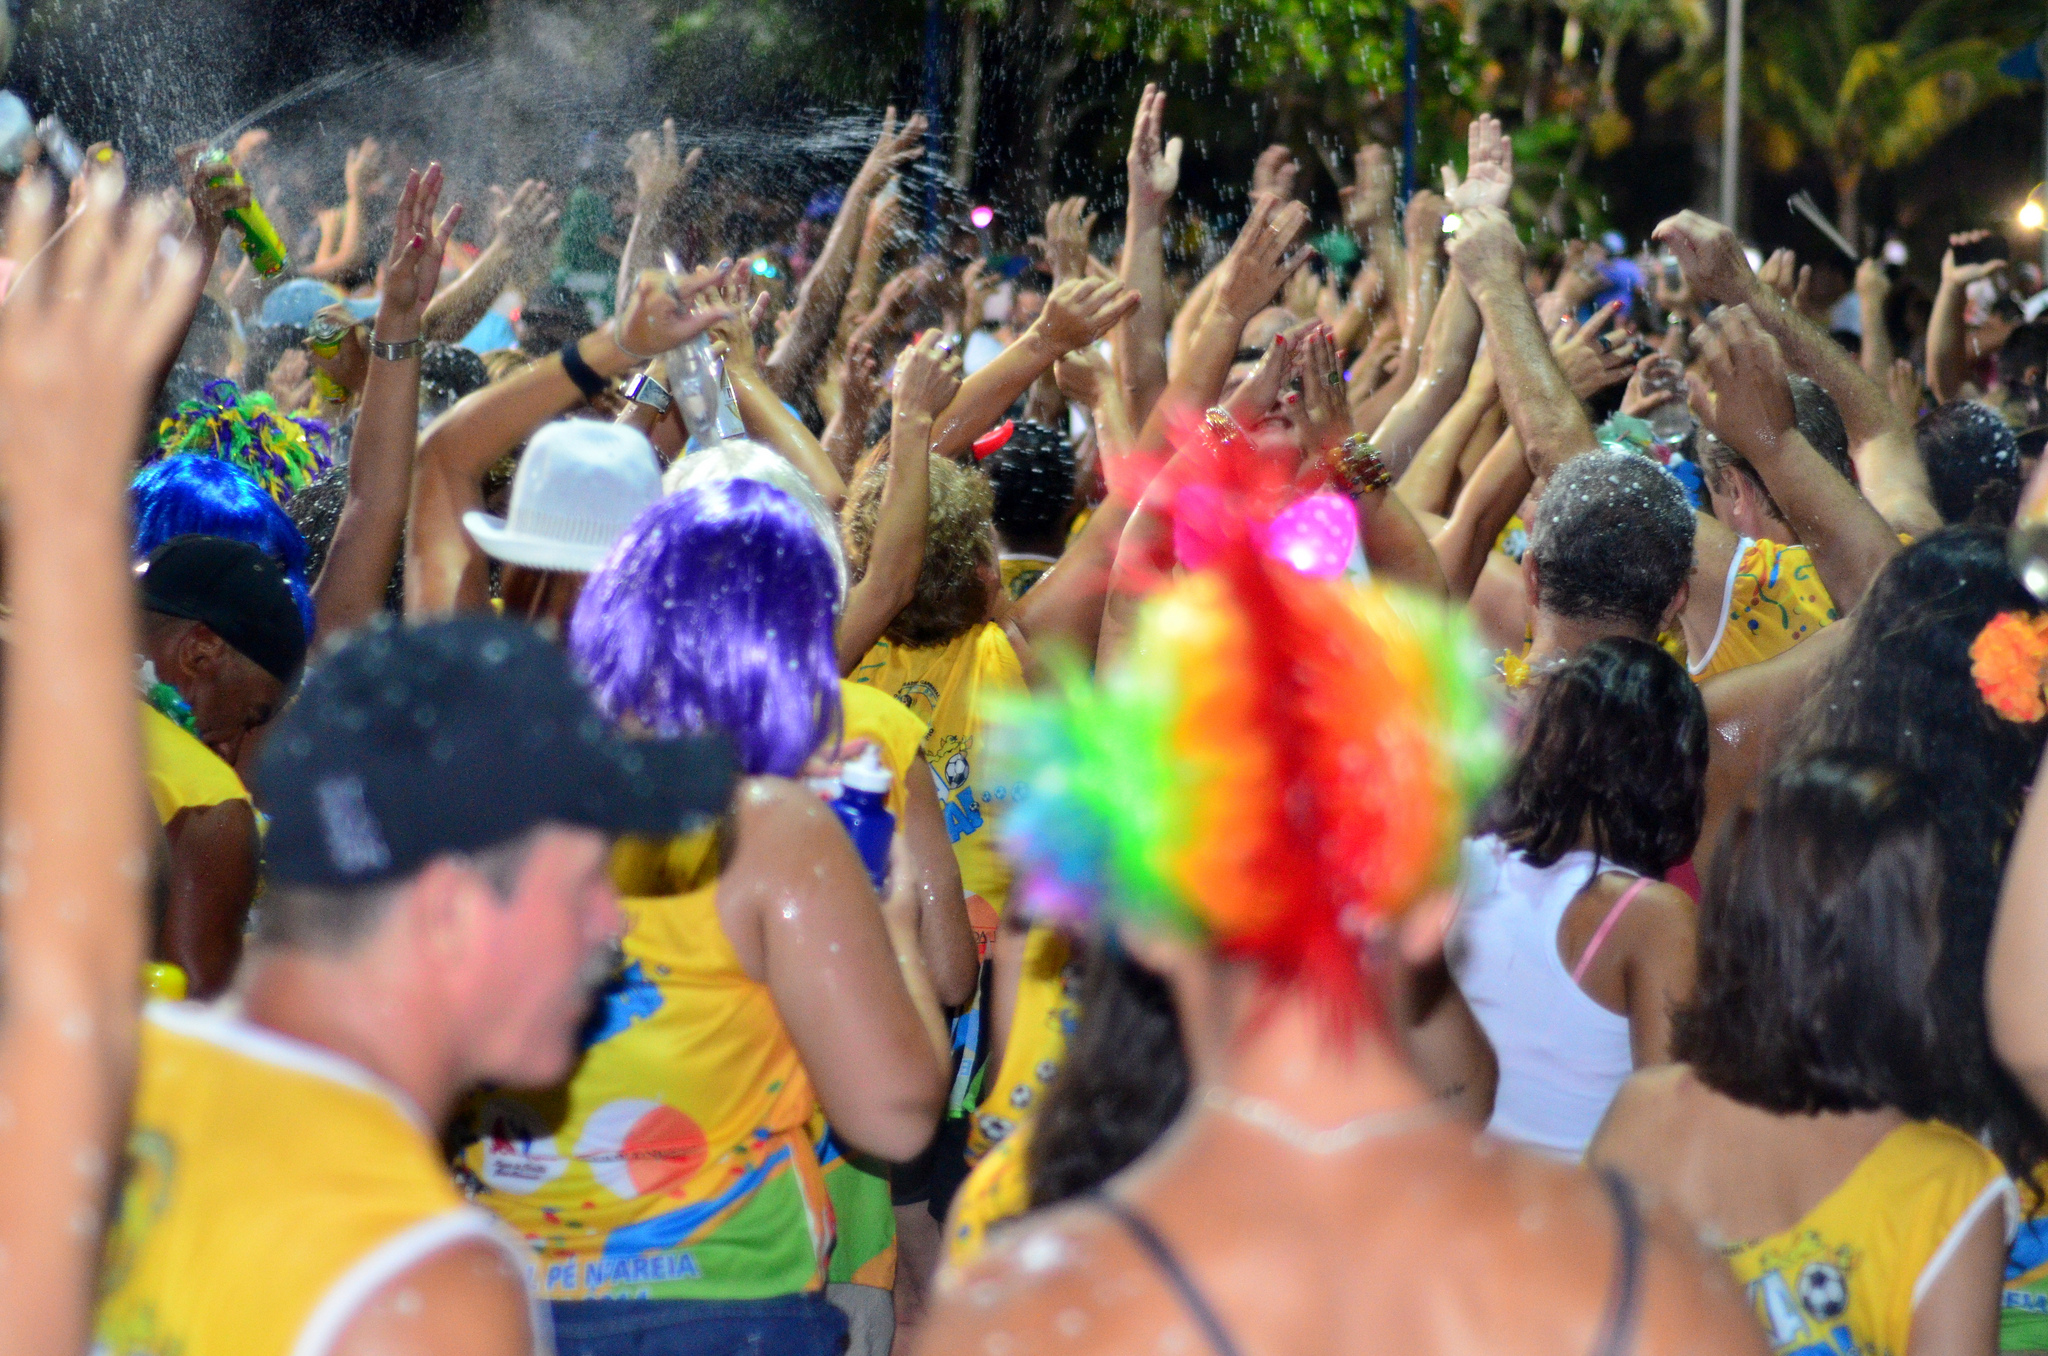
(645, 390)
(397, 353)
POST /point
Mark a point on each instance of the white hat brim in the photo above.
(500, 542)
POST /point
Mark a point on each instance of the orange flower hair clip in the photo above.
(2009, 660)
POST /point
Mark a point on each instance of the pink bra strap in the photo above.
(1607, 926)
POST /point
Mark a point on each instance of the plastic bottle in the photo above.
(60, 146)
(862, 807)
(259, 238)
(699, 386)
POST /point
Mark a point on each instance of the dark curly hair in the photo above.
(1124, 1080)
(1817, 944)
(1616, 748)
(959, 551)
(1612, 540)
(1902, 687)
(1033, 478)
(1973, 463)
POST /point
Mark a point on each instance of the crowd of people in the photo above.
(732, 775)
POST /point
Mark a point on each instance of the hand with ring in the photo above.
(1323, 414)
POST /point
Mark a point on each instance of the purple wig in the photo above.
(716, 610)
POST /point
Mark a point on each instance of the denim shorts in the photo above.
(787, 1325)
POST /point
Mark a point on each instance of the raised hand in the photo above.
(83, 336)
(1065, 242)
(1254, 398)
(733, 336)
(1263, 258)
(659, 315)
(927, 378)
(1275, 173)
(524, 220)
(1658, 381)
(977, 285)
(1324, 413)
(211, 202)
(412, 269)
(1424, 223)
(893, 149)
(1592, 356)
(860, 377)
(1083, 377)
(360, 170)
(1738, 385)
(659, 174)
(1302, 295)
(1153, 167)
(1902, 384)
(1486, 251)
(1082, 310)
(1369, 202)
(1954, 274)
(1708, 255)
(1489, 168)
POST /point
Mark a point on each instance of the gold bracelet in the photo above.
(1356, 464)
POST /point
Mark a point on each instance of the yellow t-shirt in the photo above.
(998, 1189)
(1774, 600)
(271, 1187)
(1846, 1278)
(677, 1163)
(865, 1252)
(1021, 572)
(950, 688)
(1048, 1007)
(183, 774)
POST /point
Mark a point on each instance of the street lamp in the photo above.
(2032, 215)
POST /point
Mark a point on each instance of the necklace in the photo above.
(1267, 1116)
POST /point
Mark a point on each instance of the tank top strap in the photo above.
(1617, 1335)
(1153, 1246)
(1607, 926)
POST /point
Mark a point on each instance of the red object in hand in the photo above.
(995, 440)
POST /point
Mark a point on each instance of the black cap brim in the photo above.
(652, 787)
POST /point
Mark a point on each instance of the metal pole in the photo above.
(934, 112)
(2041, 56)
(1731, 116)
(1411, 99)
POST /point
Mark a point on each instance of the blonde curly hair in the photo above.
(959, 552)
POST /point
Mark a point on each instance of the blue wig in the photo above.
(215, 498)
(715, 610)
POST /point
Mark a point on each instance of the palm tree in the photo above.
(1825, 78)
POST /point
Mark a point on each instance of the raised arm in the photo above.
(659, 178)
(1078, 313)
(1153, 171)
(77, 358)
(444, 571)
(818, 301)
(1453, 336)
(371, 531)
(1741, 396)
(767, 419)
(1552, 424)
(522, 225)
(1947, 361)
(2014, 998)
(1483, 508)
(1873, 289)
(346, 251)
(926, 378)
(860, 391)
(1425, 485)
(1369, 216)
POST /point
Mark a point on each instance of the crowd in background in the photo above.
(734, 773)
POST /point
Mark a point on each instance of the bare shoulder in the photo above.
(1691, 1303)
(466, 1299)
(1063, 1278)
(1642, 1118)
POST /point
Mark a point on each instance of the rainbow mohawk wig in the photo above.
(283, 453)
(1281, 761)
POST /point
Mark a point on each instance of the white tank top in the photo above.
(1562, 1056)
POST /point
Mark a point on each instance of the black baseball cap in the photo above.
(459, 736)
(235, 589)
